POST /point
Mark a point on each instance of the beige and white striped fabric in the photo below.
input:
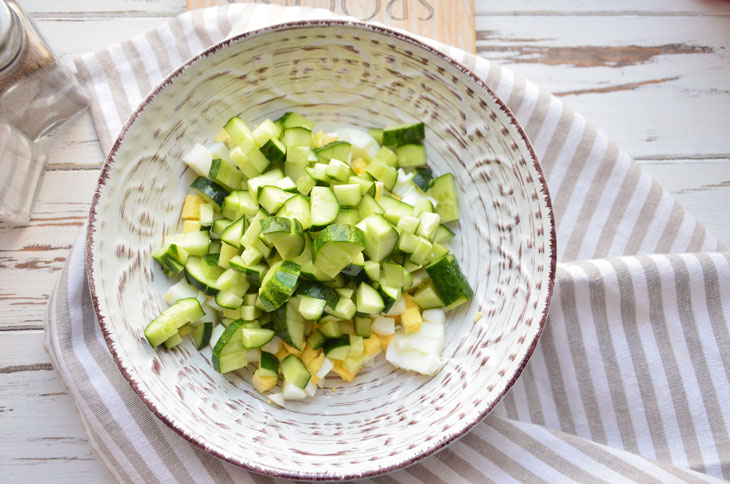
(629, 383)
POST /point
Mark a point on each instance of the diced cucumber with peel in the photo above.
(229, 353)
(294, 371)
(368, 300)
(172, 319)
(318, 251)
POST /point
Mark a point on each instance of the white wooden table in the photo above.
(654, 74)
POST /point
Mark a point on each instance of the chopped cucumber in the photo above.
(311, 308)
(285, 234)
(423, 178)
(368, 300)
(294, 371)
(444, 190)
(337, 348)
(412, 154)
(225, 173)
(338, 150)
(403, 134)
(449, 282)
(330, 241)
(201, 334)
(172, 319)
(381, 237)
(256, 337)
(289, 325)
(323, 207)
(229, 353)
(297, 207)
(336, 246)
(278, 284)
(268, 364)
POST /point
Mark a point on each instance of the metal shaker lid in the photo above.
(11, 35)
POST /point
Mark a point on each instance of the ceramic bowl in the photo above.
(334, 72)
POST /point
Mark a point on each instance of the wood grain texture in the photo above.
(449, 22)
(656, 85)
(41, 437)
(667, 104)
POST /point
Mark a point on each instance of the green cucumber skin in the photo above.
(294, 120)
(280, 320)
(411, 154)
(230, 331)
(210, 190)
(319, 291)
(181, 313)
(449, 281)
(338, 233)
(202, 334)
(282, 283)
(403, 134)
(198, 280)
(269, 362)
(423, 178)
(295, 371)
(273, 150)
(334, 343)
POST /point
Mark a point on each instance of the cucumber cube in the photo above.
(383, 172)
(387, 156)
(422, 251)
(298, 155)
(339, 170)
(265, 131)
(348, 195)
(429, 224)
(407, 223)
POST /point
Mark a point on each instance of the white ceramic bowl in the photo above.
(334, 72)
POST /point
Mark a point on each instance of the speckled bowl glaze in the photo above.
(335, 72)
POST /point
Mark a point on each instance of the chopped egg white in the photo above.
(199, 159)
(326, 367)
(423, 363)
(437, 316)
(272, 346)
(277, 398)
(383, 325)
(292, 392)
(362, 143)
(397, 308)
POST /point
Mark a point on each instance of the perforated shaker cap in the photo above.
(11, 35)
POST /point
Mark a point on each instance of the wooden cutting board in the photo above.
(448, 21)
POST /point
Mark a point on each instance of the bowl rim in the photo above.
(294, 25)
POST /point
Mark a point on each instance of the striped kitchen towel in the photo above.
(627, 383)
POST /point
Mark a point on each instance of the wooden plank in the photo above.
(614, 7)
(31, 258)
(656, 89)
(70, 37)
(106, 8)
(450, 22)
(582, 60)
(41, 434)
(23, 349)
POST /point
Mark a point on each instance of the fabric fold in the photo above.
(628, 380)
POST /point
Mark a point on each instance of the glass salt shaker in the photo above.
(37, 94)
(22, 166)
